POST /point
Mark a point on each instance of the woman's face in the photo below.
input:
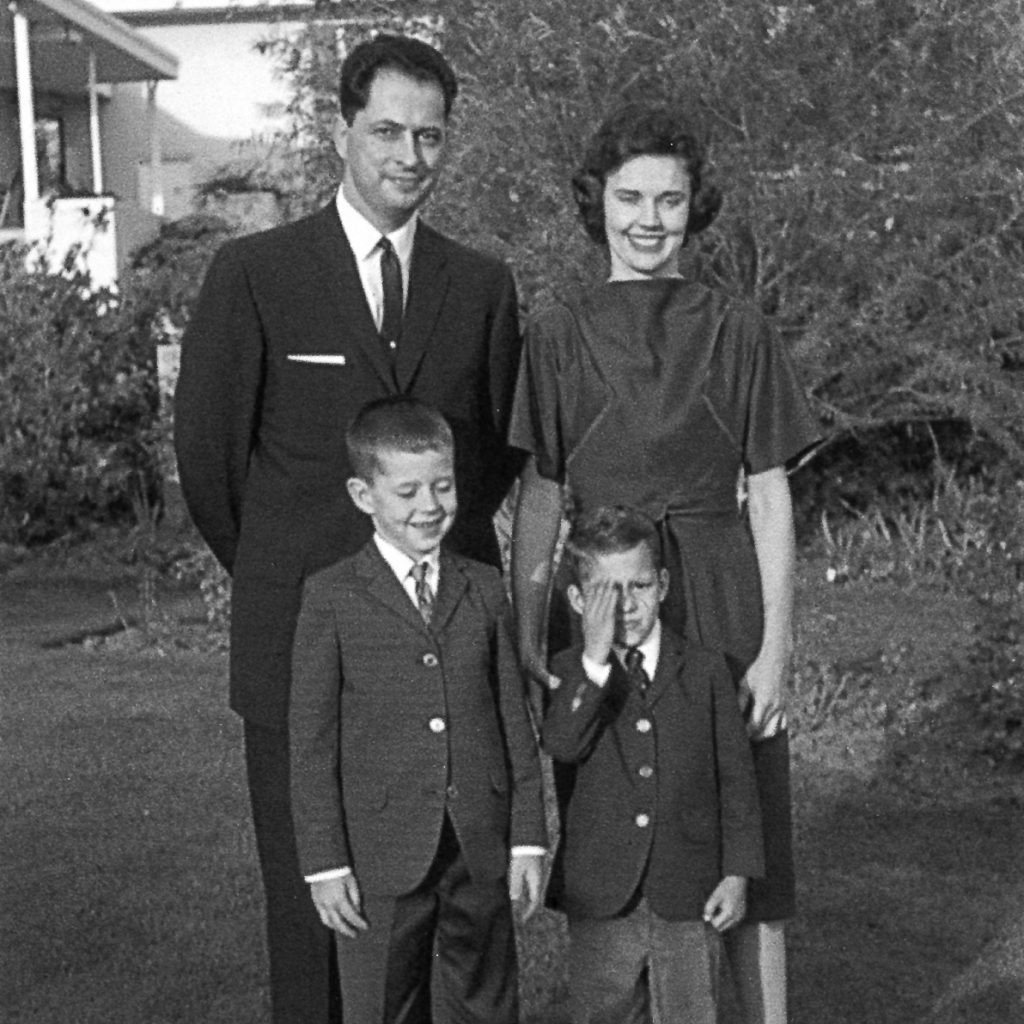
(646, 206)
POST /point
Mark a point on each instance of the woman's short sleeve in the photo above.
(537, 409)
(779, 423)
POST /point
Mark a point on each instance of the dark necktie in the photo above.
(424, 595)
(634, 661)
(391, 282)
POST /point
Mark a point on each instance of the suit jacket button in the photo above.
(430, 660)
(437, 725)
(645, 771)
(643, 725)
(642, 820)
(452, 792)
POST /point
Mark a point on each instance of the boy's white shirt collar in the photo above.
(650, 649)
(401, 564)
(363, 237)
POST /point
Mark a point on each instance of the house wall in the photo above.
(73, 112)
(221, 109)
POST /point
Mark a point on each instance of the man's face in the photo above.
(639, 585)
(411, 499)
(394, 149)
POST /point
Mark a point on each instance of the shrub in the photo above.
(79, 405)
(968, 533)
(162, 281)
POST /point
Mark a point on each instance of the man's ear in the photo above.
(340, 136)
(575, 596)
(359, 492)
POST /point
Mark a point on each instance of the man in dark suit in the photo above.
(662, 827)
(295, 330)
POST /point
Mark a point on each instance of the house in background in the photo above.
(59, 63)
(226, 102)
(131, 106)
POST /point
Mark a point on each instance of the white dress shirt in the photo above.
(363, 238)
(402, 565)
(650, 649)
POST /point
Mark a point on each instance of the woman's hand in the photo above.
(534, 664)
(763, 689)
(771, 523)
(534, 536)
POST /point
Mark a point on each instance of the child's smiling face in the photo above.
(411, 499)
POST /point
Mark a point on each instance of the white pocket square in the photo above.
(322, 359)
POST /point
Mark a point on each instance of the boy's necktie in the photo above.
(424, 595)
(391, 287)
(634, 661)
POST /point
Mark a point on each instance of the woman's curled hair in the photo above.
(642, 130)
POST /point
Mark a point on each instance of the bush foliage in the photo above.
(869, 152)
(78, 409)
(79, 434)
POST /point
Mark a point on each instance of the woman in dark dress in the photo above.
(654, 391)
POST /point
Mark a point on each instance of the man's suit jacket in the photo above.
(260, 434)
(664, 793)
(392, 724)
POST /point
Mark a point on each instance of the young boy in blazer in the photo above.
(415, 777)
(662, 827)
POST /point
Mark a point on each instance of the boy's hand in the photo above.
(339, 904)
(526, 882)
(727, 905)
(600, 606)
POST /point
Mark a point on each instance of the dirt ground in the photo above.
(909, 844)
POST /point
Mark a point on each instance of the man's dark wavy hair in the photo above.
(409, 56)
(639, 129)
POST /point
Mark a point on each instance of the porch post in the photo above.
(94, 127)
(156, 183)
(26, 110)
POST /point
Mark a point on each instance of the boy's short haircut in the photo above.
(398, 423)
(610, 530)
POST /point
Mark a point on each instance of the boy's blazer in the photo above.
(664, 789)
(392, 724)
(280, 354)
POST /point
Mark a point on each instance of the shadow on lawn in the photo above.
(907, 874)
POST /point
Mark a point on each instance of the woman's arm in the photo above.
(771, 522)
(534, 536)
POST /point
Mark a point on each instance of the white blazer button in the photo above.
(645, 771)
(437, 725)
(643, 820)
(643, 725)
(430, 660)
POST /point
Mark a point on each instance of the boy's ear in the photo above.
(662, 584)
(575, 596)
(359, 492)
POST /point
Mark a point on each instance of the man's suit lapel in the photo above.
(383, 585)
(341, 285)
(451, 586)
(428, 286)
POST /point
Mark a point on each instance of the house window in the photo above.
(50, 154)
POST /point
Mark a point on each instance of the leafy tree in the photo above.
(870, 153)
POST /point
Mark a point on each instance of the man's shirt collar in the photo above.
(363, 237)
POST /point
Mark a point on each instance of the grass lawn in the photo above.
(129, 890)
